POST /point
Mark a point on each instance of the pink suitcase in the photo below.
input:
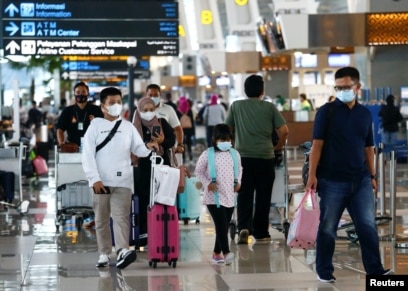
(163, 235)
(162, 230)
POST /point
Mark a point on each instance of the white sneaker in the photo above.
(103, 261)
(229, 258)
(125, 258)
(330, 279)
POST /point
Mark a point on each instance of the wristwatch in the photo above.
(373, 177)
(180, 145)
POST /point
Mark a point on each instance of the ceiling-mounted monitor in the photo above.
(339, 60)
(305, 61)
(204, 81)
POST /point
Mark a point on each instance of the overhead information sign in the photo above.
(102, 65)
(67, 28)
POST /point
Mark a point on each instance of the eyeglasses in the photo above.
(343, 88)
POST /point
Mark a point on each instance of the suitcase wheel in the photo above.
(185, 220)
(173, 264)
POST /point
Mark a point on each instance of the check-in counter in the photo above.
(300, 124)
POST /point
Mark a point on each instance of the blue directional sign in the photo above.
(66, 28)
(102, 65)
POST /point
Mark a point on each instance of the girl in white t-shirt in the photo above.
(219, 195)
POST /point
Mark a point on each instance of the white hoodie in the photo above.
(111, 164)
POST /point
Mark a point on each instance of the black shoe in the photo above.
(125, 258)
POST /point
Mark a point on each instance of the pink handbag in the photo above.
(40, 165)
(303, 229)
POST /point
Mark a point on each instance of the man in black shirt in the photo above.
(76, 118)
(171, 103)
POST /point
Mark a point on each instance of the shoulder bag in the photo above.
(109, 137)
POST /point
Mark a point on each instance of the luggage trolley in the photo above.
(282, 193)
(11, 161)
(73, 197)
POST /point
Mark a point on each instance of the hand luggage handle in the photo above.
(312, 195)
(153, 159)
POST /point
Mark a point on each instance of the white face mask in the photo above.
(115, 109)
(149, 115)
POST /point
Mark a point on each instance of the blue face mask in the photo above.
(345, 96)
(156, 100)
(224, 145)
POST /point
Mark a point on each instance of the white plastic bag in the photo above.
(165, 183)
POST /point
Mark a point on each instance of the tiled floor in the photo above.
(33, 256)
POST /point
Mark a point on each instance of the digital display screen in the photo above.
(306, 61)
(404, 93)
(204, 81)
(339, 60)
(222, 81)
(66, 28)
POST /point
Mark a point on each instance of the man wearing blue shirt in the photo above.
(342, 161)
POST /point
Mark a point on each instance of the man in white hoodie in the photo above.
(110, 175)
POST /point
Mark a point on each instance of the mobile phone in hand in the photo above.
(156, 130)
(108, 191)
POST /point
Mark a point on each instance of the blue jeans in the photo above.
(357, 197)
(389, 138)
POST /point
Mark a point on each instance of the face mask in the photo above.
(81, 98)
(224, 145)
(149, 115)
(345, 96)
(115, 109)
(156, 100)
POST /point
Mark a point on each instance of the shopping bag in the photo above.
(303, 229)
(40, 165)
(165, 183)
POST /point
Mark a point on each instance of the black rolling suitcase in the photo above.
(134, 223)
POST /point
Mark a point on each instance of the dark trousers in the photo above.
(188, 144)
(257, 176)
(221, 217)
(209, 132)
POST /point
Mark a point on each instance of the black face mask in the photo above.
(81, 98)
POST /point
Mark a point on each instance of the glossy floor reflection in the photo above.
(33, 256)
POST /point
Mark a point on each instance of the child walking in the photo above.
(219, 170)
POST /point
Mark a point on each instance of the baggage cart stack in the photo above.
(282, 193)
(73, 197)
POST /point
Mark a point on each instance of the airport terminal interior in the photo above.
(40, 249)
(34, 256)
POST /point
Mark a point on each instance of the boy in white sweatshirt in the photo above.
(110, 176)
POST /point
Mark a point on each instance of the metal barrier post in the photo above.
(381, 178)
(393, 191)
